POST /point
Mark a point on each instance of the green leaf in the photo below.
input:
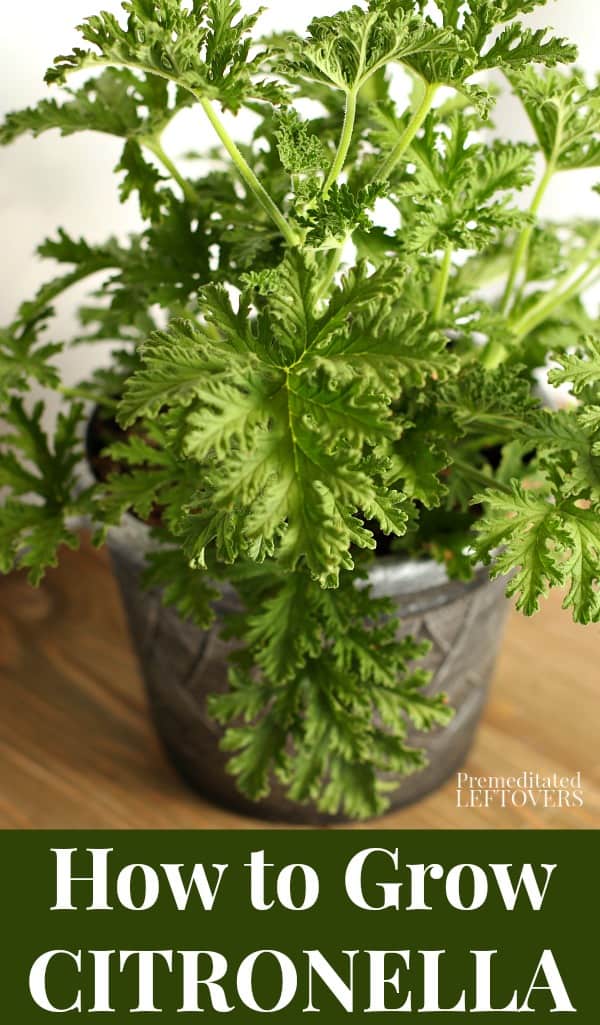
(53, 461)
(24, 357)
(320, 527)
(387, 351)
(137, 491)
(476, 45)
(148, 479)
(583, 565)
(565, 442)
(514, 45)
(282, 452)
(203, 48)
(229, 419)
(517, 47)
(457, 195)
(526, 525)
(581, 370)
(285, 630)
(185, 589)
(140, 177)
(393, 351)
(590, 418)
(35, 516)
(418, 466)
(564, 113)
(175, 365)
(259, 749)
(549, 544)
(244, 700)
(85, 259)
(316, 667)
(116, 102)
(300, 150)
(353, 788)
(490, 397)
(449, 159)
(327, 221)
(361, 293)
(349, 48)
(30, 538)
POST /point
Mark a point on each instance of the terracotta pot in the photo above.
(182, 665)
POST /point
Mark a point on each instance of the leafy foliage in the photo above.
(300, 150)
(204, 48)
(289, 416)
(459, 189)
(293, 385)
(347, 49)
(333, 694)
(24, 357)
(40, 478)
(581, 370)
(180, 586)
(327, 221)
(549, 544)
(565, 115)
(116, 102)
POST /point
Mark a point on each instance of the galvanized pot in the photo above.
(182, 665)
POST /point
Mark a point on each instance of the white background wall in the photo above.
(55, 181)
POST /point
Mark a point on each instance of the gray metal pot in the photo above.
(182, 665)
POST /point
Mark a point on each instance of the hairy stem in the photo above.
(248, 176)
(443, 280)
(408, 134)
(155, 147)
(521, 254)
(342, 152)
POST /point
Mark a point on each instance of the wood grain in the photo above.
(77, 749)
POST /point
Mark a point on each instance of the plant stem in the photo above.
(155, 146)
(522, 250)
(408, 134)
(592, 249)
(60, 285)
(552, 301)
(444, 278)
(479, 477)
(326, 281)
(81, 393)
(243, 167)
(495, 353)
(247, 174)
(342, 151)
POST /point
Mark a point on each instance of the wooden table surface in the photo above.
(77, 749)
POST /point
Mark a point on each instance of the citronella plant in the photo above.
(300, 388)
